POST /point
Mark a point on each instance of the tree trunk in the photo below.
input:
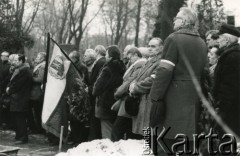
(169, 10)
(138, 21)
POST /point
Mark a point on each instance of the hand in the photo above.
(7, 90)
(86, 89)
(131, 88)
(116, 105)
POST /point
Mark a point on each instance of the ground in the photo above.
(37, 145)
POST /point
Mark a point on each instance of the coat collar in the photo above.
(235, 47)
(17, 71)
(187, 31)
(149, 64)
(39, 65)
(232, 47)
(132, 66)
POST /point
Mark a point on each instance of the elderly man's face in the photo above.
(16, 61)
(4, 56)
(154, 47)
(39, 58)
(222, 41)
(88, 58)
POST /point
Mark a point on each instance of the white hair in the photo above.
(190, 16)
(230, 38)
(90, 52)
(11, 58)
(144, 51)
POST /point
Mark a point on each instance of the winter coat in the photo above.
(174, 86)
(19, 89)
(143, 84)
(37, 78)
(226, 89)
(5, 76)
(122, 91)
(109, 79)
(97, 67)
(82, 69)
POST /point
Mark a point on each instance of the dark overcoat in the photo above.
(173, 85)
(83, 71)
(109, 79)
(227, 86)
(5, 75)
(98, 65)
(19, 89)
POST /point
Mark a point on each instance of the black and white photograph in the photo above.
(119, 77)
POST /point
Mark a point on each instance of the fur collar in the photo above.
(187, 31)
(116, 66)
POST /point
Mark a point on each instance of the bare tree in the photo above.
(116, 15)
(20, 6)
(122, 19)
(27, 26)
(138, 18)
(77, 17)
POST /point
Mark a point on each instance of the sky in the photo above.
(232, 7)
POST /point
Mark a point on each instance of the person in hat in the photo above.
(226, 89)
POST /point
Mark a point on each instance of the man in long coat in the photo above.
(173, 89)
(123, 122)
(142, 84)
(36, 94)
(95, 127)
(19, 90)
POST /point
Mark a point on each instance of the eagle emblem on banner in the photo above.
(56, 68)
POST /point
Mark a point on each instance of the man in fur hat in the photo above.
(227, 78)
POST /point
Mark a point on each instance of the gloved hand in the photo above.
(157, 114)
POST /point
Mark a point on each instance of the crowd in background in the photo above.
(148, 87)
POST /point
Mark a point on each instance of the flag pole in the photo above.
(47, 62)
(61, 139)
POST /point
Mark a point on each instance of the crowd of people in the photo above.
(147, 87)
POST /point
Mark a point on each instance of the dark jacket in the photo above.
(82, 69)
(5, 76)
(227, 86)
(174, 86)
(19, 89)
(109, 79)
(95, 73)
